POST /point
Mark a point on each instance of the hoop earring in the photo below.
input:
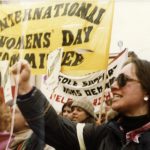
(146, 98)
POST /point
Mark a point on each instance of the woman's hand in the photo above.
(21, 73)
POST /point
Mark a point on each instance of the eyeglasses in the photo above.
(122, 80)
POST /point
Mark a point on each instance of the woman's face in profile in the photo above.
(129, 98)
(78, 114)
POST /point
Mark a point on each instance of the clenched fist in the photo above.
(21, 72)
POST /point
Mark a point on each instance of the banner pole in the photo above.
(103, 96)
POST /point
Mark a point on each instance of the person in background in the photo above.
(66, 110)
(23, 136)
(129, 130)
(5, 117)
(5, 123)
(109, 112)
(83, 111)
(21, 131)
(132, 55)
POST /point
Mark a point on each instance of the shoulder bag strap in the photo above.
(79, 128)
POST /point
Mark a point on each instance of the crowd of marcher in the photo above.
(37, 126)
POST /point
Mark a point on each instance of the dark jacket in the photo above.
(61, 133)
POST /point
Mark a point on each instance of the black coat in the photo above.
(61, 133)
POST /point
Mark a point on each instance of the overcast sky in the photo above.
(131, 24)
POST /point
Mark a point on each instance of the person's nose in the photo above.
(114, 86)
(74, 112)
(65, 114)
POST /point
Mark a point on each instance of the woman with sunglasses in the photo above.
(130, 130)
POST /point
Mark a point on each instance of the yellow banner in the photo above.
(33, 30)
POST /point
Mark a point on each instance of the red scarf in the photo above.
(135, 134)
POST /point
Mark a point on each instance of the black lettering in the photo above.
(83, 10)
(97, 80)
(71, 58)
(110, 72)
(46, 42)
(37, 13)
(100, 89)
(60, 77)
(3, 41)
(84, 83)
(78, 93)
(65, 9)
(42, 57)
(14, 58)
(28, 41)
(27, 14)
(1, 54)
(78, 60)
(88, 93)
(57, 8)
(90, 18)
(72, 92)
(73, 9)
(78, 39)
(67, 38)
(20, 43)
(10, 17)
(66, 60)
(47, 13)
(93, 91)
(107, 85)
(5, 56)
(31, 59)
(115, 67)
(87, 33)
(65, 80)
(37, 40)
(98, 19)
(10, 43)
(18, 16)
(3, 24)
(111, 81)
(75, 83)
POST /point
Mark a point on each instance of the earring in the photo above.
(146, 98)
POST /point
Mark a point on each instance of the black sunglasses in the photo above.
(122, 80)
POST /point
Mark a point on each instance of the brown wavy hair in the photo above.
(143, 74)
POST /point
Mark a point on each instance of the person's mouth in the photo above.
(116, 97)
(75, 118)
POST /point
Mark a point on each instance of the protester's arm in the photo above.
(40, 115)
(21, 73)
(45, 122)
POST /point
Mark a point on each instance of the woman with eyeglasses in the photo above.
(130, 130)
